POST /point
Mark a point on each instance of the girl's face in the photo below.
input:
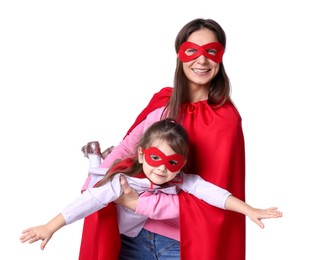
(160, 163)
(201, 70)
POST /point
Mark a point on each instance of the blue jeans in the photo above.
(149, 246)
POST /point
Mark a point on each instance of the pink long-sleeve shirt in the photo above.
(128, 145)
(162, 210)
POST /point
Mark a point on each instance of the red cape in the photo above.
(207, 233)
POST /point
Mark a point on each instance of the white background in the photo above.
(76, 71)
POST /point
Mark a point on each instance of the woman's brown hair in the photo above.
(219, 87)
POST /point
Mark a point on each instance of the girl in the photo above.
(161, 155)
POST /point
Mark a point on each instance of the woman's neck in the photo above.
(198, 93)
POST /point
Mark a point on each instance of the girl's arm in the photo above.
(43, 232)
(256, 215)
(163, 206)
(87, 203)
(221, 198)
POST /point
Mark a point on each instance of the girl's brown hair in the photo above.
(166, 130)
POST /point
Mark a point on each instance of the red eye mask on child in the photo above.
(154, 157)
(189, 51)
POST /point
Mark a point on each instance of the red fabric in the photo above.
(100, 235)
(217, 154)
(158, 100)
(121, 166)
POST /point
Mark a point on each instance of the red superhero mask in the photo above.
(189, 51)
(154, 157)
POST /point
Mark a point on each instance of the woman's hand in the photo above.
(129, 198)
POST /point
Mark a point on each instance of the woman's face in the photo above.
(201, 70)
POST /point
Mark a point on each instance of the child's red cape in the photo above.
(207, 233)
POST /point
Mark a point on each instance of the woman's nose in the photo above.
(202, 59)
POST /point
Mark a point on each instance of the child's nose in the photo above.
(162, 168)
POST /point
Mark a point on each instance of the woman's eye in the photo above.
(155, 157)
(212, 52)
(173, 162)
(190, 52)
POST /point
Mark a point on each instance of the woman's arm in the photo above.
(128, 145)
(129, 197)
(158, 206)
(155, 206)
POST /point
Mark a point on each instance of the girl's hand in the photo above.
(258, 214)
(37, 233)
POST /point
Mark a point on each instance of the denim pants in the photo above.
(149, 246)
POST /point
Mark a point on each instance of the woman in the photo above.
(200, 100)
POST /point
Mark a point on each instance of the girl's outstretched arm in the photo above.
(256, 215)
(43, 232)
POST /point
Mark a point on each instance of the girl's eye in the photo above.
(173, 162)
(155, 157)
(190, 52)
(212, 52)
